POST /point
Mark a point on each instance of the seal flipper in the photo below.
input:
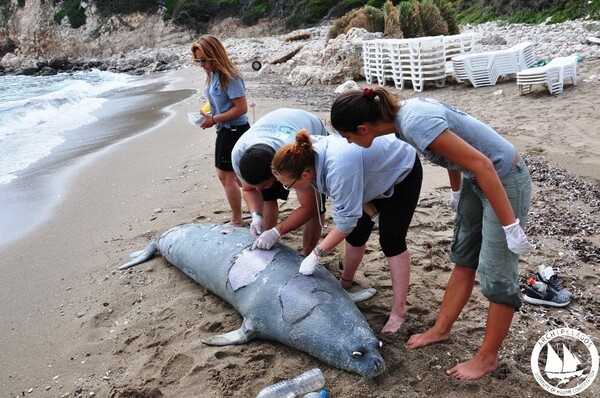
(141, 256)
(362, 295)
(240, 336)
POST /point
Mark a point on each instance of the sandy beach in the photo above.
(72, 325)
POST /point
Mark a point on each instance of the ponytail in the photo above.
(292, 159)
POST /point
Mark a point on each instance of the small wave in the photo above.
(37, 112)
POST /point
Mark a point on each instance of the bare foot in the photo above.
(240, 223)
(346, 283)
(474, 369)
(430, 336)
(393, 324)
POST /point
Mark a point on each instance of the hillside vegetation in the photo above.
(196, 14)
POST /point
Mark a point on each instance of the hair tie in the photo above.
(369, 93)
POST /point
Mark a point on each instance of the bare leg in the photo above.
(270, 213)
(400, 273)
(311, 233)
(352, 258)
(458, 292)
(486, 360)
(234, 195)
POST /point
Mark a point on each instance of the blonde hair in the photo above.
(292, 159)
(215, 52)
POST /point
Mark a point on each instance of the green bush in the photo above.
(108, 8)
(75, 13)
(367, 17)
(410, 19)
(58, 17)
(431, 19)
(392, 28)
(449, 15)
(194, 14)
(257, 11)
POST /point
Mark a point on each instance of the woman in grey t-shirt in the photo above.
(491, 192)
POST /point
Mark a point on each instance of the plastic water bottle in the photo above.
(537, 285)
(320, 394)
(311, 380)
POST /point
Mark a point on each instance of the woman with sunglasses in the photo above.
(252, 156)
(388, 175)
(491, 193)
(226, 93)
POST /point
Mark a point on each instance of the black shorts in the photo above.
(226, 139)
(395, 215)
(277, 191)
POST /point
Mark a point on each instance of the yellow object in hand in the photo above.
(206, 108)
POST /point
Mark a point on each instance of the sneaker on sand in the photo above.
(537, 292)
(549, 277)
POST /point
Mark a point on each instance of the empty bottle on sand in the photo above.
(311, 380)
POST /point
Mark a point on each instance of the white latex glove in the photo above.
(267, 239)
(516, 239)
(256, 227)
(454, 197)
(308, 265)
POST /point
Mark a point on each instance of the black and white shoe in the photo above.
(539, 293)
(549, 277)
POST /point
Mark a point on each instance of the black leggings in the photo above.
(395, 215)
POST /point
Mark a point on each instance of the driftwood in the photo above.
(286, 56)
(298, 35)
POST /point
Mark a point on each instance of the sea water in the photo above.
(38, 113)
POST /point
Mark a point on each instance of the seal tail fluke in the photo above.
(141, 256)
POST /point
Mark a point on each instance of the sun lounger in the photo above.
(553, 75)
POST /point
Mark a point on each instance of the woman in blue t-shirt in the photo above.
(226, 93)
(491, 193)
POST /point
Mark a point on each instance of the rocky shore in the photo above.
(315, 59)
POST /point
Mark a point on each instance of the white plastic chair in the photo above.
(427, 62)
(553, 75)
(369, 54)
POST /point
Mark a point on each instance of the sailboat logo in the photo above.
(571, 362)
(562, 369)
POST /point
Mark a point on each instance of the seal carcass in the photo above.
(312, 313)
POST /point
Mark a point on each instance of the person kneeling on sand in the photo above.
(251, 158)
(388, 175)
(491, 192)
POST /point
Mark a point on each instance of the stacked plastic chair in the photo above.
(384, 63)
(463, 43)
(484, 69)
(415, 60)
(427, 62)
(399, 61)
(369, 54)
(552, 75)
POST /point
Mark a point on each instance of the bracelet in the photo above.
(212, 117)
